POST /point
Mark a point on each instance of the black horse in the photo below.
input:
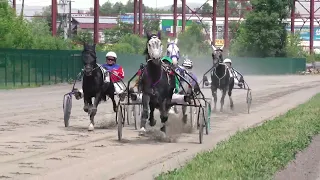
(93, 84)
(156, 84)
(220, 78)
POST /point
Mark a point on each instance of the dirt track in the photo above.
(34, 144)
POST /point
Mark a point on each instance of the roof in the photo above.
(102, 20)
(91, 26)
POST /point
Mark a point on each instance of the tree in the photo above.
(263, 33)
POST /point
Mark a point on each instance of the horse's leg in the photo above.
(114, 104)
(215, 98)
(224, 92)
(145, 112)
(86, 100)
(164, 109)
(93, 111)
(152, 121)
(184, 114)
(231, 85)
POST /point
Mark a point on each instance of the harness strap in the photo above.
(225, 72)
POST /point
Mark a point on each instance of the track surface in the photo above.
(34, 144)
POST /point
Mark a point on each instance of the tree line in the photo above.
(262, 34)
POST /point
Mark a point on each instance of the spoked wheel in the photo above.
(67, 105)
(120, 120)
(249, 100)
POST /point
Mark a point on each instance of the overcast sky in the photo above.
(86, 4)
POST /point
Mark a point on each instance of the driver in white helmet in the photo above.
(188, 65)
(237, 76)
(116, 76)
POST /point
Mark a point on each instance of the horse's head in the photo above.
(89, 58)
(217, 55)
(154, 46)
(173, 51)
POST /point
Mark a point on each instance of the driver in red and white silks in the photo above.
(116, 76)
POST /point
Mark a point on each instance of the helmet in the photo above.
(111, 54)
(167, 58)
(187, 63)
(227, 61)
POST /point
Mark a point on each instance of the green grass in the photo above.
(256, 153)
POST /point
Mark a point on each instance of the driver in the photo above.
(116, 75)
(237, 76)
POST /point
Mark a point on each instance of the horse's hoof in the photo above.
(142, 131)
(152, 122)
(171, 111)
(122, 96)
(115, 109)
(185, 118)
(86, 109)
(163, 129)
(133, 97)
(91, 127)
(175, 110)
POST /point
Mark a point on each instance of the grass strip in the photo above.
(256, 153)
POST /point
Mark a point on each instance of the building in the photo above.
(87, 23)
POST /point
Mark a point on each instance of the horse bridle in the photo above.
(91, 52)
(177, 53)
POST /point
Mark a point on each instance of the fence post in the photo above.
(29, 70)
(42, 71)
(14, 71)
(68, 59)
(61, 67)
(49, 69)
(36, 70)
(55, 72)
(5, 71)
(21, 66)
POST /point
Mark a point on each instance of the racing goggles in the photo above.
(110, 59)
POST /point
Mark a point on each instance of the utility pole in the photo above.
(70, 20)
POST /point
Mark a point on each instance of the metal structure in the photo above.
(308, 16)
(138, 23)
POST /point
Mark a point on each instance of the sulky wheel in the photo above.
(67, 105)
(249, 100)
(120, 120)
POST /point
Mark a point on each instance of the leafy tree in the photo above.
(83, 36)
(193, 40)
(263, 32)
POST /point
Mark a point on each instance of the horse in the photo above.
(220, 78)
(156, 84)
(173, 51)
(93, 84)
